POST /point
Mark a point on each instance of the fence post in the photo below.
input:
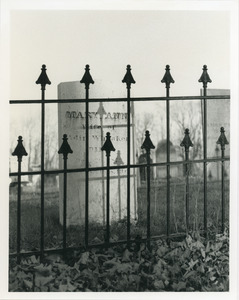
(118, 161)
(43, 80)
(108, 147)
(205, 79)
(19, 152)
(222, 141)
(168, 79)
(128, 79)
(87, 80)
(65, 149)
(147, 145)
(186, 143)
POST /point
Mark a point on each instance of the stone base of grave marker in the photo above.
(103, 117)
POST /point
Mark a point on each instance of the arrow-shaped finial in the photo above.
(204, 77)
(101, 111)
(147, 144)
(65, 148)
(186, 143)
(118, 161)
(108, 146)
(167, 79)
(128, 78)
(87, 79)
(43, 79)
(19, 150)
(222, 140)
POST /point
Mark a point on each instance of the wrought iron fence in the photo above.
(65, 149)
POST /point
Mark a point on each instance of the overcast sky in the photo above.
(109, 40)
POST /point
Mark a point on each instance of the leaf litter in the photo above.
(188, 265)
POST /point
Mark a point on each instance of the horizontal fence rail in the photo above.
(65, 150)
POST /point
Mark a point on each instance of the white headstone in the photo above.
(218, 115)
(103, 117)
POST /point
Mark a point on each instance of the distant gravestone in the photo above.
(103, 117)
(218, 115)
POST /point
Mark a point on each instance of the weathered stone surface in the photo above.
(103, 117)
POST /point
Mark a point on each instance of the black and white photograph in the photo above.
(120, 147)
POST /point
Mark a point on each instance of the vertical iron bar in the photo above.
(167, 79)
(128, 79)
(186, 143)
(205, 157)
(223, 193)
(42, 169)
(128, 168)
(187, 193)
(87, 171)
(65, 149)
(147, 145)
(205, 79)
(107, 147)
(108, 202)
(168, 160)
(87, 79)
(19, 213)
(19, 152)
(148, 199)
(64, 207)
(43, 80)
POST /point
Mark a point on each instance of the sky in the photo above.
(109, 40)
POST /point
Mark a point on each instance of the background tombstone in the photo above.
(218, 115)
(103, 117)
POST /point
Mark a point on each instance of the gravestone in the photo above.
(103, 117)
(218, 115)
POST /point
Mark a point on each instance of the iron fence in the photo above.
(65, 149)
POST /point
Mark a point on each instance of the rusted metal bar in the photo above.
(43, 80)
(222, 141)
(65, 149)
(87, 80)
(205, 79)
(108, 147)
(186, 143)
(168, 79)
(128, 79)
(19, 152)
(148, 145)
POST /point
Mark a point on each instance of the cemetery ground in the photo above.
(190, 263)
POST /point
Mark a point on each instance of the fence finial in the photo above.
(167, 79)
(147, 144)
(19, 151)
(204, 77)
(87, 79)
(65, 148)
(222, 140)
(186, 142)
(101, 110)
(43, 79)
(128, 78)
(108, 146)
(118, 161)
